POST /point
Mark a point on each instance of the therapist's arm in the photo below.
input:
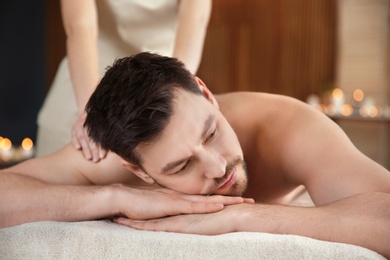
(194, 17)
(80, 20)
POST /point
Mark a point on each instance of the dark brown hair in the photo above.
(133, 102)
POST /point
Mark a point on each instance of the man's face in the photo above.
(198, 152)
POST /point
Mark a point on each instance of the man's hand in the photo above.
(81, 141)
(224, 221)
(335, 222)
(157, 203)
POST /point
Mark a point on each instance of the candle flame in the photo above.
(5, 144)
(346, 110)
(373, 111)
(337, 93)
(358, 95)
(27, 144)
(369, 111)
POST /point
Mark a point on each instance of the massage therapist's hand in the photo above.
(152, 203)
(224, 221)
(81, 141)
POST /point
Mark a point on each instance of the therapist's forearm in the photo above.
(83, 66)
(194, 17)
(80, 20)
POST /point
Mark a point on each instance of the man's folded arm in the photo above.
(362, 220)
(26, 199)
(66, 187)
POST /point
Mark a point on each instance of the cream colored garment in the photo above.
(126, 27)
(105, 240)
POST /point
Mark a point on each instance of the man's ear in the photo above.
(137, 171)
(206, 92)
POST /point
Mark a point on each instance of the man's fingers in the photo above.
(193, 207)
(151, 225)
(226, 200)
(137, 224)
(249, 200)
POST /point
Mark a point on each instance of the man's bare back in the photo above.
(273, 131)
(257, 118)
(264, 123)
(253, 126)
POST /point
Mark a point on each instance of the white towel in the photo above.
(107, 240)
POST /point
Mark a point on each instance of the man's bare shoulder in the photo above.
(68, 166)
(259, 108)
(251, 100)
(286, 137)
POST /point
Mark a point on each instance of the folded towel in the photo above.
(107, 240)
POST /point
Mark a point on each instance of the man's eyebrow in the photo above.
(207, 124)
(167, 168)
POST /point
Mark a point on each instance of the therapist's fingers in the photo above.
(79, 137)
(102, 153)
(80, 142)
(94, 150)
(75, 142)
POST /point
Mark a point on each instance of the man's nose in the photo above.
(215, 165)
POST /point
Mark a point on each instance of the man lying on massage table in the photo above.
(169, 134)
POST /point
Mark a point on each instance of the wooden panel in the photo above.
(364, 48)
(280, 46)
(363, 62)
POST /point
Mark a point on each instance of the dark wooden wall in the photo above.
(278, 46)
(55, 40)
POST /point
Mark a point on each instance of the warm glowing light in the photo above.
(5, 144)
(7, 156)
(27, 144)
(371, 111)
(337, 93)
(358, 95)
(330, 110)
(346, 110)
(313, 100)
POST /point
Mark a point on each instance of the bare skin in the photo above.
(279, 159)
(285, 143)
(350, 190)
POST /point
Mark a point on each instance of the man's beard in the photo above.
(238, 188)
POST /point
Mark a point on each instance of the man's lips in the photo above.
(229, 182)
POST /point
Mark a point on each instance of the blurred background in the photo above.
(334, 54)
(22, 67)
